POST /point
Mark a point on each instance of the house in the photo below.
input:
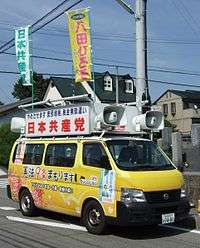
(105, 88)
(10, 110)
(181, 108)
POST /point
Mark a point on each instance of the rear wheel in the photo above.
(93, 218)
(26, 203)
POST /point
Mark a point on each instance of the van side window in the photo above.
(14, 153)
(33, 154)
(92, 154)
(60, 155)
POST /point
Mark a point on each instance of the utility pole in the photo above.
(141, 50)
(141, 53)
(117, 85)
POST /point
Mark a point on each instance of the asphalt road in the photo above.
(50, 230)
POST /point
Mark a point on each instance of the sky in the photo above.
(173, 31)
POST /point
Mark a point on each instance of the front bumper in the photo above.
(149, 213)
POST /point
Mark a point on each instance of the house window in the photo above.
(108, 83)
(173, 108)
(129, 86)
(165, 109)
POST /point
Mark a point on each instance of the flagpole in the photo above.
(31, 71)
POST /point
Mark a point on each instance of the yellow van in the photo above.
(101, 179)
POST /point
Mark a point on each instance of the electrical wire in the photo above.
(180, 11)
(65, 74)
(38, 21)
(162, 70)
(12, 41)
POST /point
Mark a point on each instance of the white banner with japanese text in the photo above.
(22, 46)
(73, 120)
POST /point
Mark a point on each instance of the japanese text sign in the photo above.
(22, 46)
(55, 122)
(79, 32)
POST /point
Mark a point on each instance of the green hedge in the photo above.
(7, 139)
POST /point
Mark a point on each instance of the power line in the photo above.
(162, 70)
(120, 38)
(176, 84)
(38, 21)
(12, 41)
(180, 11)
(71, 75)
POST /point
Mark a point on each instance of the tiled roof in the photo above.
(67, 87)
(188, 95)
(191, 96)
(12, 106)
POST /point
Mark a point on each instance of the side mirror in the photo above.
(105, 163)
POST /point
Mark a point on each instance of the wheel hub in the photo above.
(94, 217)
(26, 203)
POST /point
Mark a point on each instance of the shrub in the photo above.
(7, 139)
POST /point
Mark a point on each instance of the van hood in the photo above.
(150, 180)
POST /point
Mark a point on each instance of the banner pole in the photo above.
(31, 66)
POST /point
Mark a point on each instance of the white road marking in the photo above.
(181, 229)
(8, 208)
(46, 223)
(3, 183)
(2, 173)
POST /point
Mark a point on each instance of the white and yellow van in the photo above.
(103, 180)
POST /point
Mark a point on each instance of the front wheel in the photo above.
(26, 203)
(93, 218)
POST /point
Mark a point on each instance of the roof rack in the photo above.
(85, 97)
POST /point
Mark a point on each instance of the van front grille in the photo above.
(163, 196)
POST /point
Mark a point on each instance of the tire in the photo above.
(26, 203)
(93, 218)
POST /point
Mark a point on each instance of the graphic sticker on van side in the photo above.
(49, 175)
(107, 186)
(92, 181)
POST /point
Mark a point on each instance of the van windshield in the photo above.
(137, 155)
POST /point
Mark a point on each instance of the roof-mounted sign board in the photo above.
(73, 120)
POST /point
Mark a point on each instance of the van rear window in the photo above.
(60, 155)
(33, 154)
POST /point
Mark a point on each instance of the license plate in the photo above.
(168, 218)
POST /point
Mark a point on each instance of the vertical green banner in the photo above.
(22, 46)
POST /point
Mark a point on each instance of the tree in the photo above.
(1, 103)
(40, 85)
(7, 139)
(169, 124)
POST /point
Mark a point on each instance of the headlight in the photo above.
(132, 195)
(183, 192)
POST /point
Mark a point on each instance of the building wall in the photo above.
(52, 94)
(183, 117)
